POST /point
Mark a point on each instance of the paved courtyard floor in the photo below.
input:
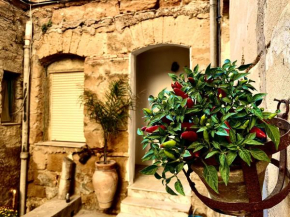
(91, 213)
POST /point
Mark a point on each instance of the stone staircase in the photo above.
(147, 197)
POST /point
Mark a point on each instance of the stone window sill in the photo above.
(61, 144)
(10, 124)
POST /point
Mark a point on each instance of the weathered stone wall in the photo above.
(260, 34)
(12, 22)
(104, 33)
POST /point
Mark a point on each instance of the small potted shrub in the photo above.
(111, 112)
(210, 122)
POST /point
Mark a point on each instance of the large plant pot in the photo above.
(105, 181)
(235, 191)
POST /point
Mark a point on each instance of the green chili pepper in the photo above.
(202, 120)
(206, 136)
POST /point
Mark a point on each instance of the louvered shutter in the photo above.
(67, 119)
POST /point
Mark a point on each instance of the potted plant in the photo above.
(111, 112)
(210, 122)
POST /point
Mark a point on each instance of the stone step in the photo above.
(57, 208)
(154, 208)
(158, 195)
(129, 215)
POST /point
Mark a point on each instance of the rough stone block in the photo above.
(51, 192)
(39, 159)
(35, 191)
(136, 5)
(169, 3)
(46, 178)
(54, 161)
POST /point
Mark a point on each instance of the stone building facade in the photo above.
(102, 35)
(102, 39)
(260, 35)
(12, 25)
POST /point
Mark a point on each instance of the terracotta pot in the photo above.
(235, 191)
(105, 181)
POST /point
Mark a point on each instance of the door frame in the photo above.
(132, 122)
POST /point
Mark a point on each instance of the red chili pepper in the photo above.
(196, 154)
(176, 85)
(191, 80)
(228, 131)
(259, 133)
(143, 128)
(165, 120)
(189, 135)
(221, 93)
(187, 125)
(189, 103)
(179, 92)
(153, 128)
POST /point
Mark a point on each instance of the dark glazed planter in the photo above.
(105, 181)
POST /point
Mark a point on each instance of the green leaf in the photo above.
(245, 155)
(179, 167)
(194, 145)
(259, 155)
(178, 187)
(192, 110)
(227, 100)
(173, 76)
(216, 145)
(201, 129)
(244, 67)
(157, 118)
(214, 119)
(186, 154)
(238, 76)
(222, 132)
(233, 138)
(225, 117)
(211, 177)
(148, 155)
(273, 133)
(140, 132)
(227, 61)
(150, 170)
(257, 112)
(157, 176)
(212, 153)
(183, 103)
(258, 96)
(231, 156)
(225, 172)
(253, 142)
(169, 190)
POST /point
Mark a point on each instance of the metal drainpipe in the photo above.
(215, 33)
(25, 119)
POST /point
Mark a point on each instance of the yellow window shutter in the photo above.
(66, 110)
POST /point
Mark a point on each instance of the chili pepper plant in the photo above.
(207, 115)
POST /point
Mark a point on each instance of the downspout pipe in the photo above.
(25, 118)
(215, 32)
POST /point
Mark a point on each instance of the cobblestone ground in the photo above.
(92, 213)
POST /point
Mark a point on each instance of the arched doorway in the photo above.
(149, 75)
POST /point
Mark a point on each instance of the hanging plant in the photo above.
(206, 117)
